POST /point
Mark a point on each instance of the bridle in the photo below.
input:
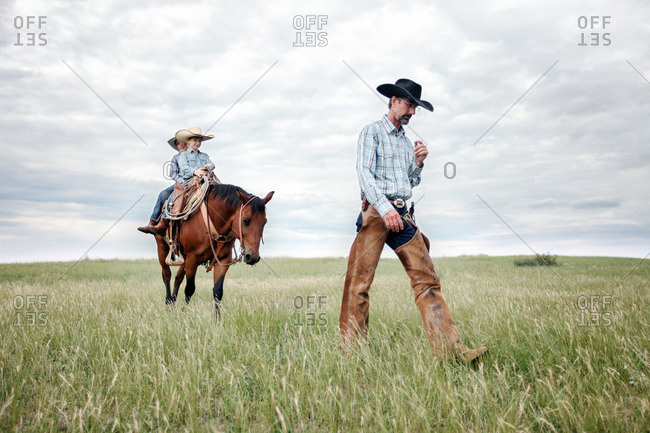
(212, 232)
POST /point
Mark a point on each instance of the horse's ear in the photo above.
(268, 197)
(244, 198)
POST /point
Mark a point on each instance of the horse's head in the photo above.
(250, 225)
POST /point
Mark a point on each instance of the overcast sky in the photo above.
(567, 166)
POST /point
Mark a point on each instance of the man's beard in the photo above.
(404, 120)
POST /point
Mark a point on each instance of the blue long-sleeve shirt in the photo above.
(174, 170)
(189, 161)
(386, 164)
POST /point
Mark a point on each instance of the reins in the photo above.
(212, 231)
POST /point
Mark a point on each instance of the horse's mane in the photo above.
(228, 193)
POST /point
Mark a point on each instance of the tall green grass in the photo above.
(568, 350)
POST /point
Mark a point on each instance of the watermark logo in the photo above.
(593, 31)
(309, 30)
(29, 31)
(167, 170)
(594, 310)
(450, 170)
(30, 310)
(309, 310)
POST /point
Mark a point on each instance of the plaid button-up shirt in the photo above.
(386, 164)
(189, 161)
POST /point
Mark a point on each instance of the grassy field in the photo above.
(98, 350)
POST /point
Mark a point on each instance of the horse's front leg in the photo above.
(217, 289)
(166, 276)
(191, 264)
(163, 249)
(180, 274)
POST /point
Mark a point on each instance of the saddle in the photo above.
(183, 201)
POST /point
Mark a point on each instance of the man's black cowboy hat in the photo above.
(405, 88)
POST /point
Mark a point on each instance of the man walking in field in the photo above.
(388, 167)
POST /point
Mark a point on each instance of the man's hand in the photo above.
(208, 167)
(200, 171)
(393, 221)
(421, 152)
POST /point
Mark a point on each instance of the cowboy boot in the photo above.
(160, 228)
(145, 229)
(436, 317)
(364, 256)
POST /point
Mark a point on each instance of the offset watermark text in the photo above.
(309, 30)
(30, 31)
(309, 310)
(594, 310)
(30, 310)
(596, 25)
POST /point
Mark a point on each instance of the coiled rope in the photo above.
(193, 200)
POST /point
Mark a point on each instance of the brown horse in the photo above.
(234, 215)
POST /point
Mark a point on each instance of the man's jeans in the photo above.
(162, 197)
(396, 239)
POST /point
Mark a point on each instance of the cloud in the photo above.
(567, 166)
(596, 204)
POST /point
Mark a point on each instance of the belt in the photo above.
(399, 203)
